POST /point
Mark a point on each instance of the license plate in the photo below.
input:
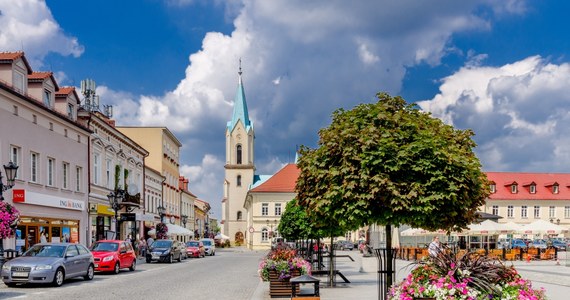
(96, 265)
(19, 274)
(155, 256)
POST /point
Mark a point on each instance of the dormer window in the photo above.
(555, 189)
(18, 81)
(514, 189)
(47, 98)
(532, 188)
(493, 188)
(70, 111)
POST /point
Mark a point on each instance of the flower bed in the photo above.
(278, 267)
(466, 277)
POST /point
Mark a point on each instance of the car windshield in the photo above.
(45, 251)
(162, 244)
(104, 247)
(192, 244)
(207, 243)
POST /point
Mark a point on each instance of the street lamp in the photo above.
(116, 199)
(10, 170)
(184, 219)
(161, 213)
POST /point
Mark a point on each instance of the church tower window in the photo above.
(238, 154)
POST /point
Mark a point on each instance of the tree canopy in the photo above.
(389, 163)
(296, 224)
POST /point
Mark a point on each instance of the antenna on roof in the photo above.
(91, 100)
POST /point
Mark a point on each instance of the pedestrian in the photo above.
(434, 247)
(149, 241)
(142, 247)
(43, 237)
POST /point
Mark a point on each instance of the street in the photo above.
(230, 274)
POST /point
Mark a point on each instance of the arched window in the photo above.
(238, 180)
(238, 154)
(239, 215)
(264, 235)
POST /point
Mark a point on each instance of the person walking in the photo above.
(43, 238)
(142, 247)
(434, 247)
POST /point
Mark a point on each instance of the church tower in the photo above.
(239, 167)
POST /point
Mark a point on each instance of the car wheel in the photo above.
(90, 273)
(10, 284)
(133, 265)
(58, 277)
(148, 260)
(213, 253)
(179, 257)
(117, 268)
(170, 259)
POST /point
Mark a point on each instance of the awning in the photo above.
(174, 229)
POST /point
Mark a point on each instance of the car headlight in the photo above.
(166, 251)
(108, 258)
(6, 267)
(43, 267)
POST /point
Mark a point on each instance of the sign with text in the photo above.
(28, 197)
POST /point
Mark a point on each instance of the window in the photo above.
(65, 132)
(239, 215)
(552, 212)
(65, 177)
(108, 178)
(533, 188)
(15, 158)
(495, 210)
(277, 209)
(78, 178)
(555, 189)
(493, 188)
(524, 213)
(51, 126)
(265, 209)
(567, 212)
(238, 180)
(537, 212)
(510, 211)
(264, 235)
(96, 168)
(50, 171)
(47, 98)
(18, 81)
(238, 154)
(34, 160)
(34, 119)
(15, 110)
(514, 189)
(70, 111)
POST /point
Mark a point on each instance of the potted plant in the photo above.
(469, 276)
(279, 266)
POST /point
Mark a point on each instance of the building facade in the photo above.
(153, 181)
(41, 135)
(164, 156)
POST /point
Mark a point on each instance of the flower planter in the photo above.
(281, 288)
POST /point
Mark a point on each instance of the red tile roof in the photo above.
(282, 182)
(544, 185)
(12, 56)
(66, 90)
(41, 76)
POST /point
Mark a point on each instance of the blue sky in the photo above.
(499, 68)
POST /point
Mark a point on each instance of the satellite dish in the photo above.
(133, 189)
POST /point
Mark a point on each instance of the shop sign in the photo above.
(103, 209)
(18, 195)
(47, 200)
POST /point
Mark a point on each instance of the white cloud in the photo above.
(518, 112)
(28, 25)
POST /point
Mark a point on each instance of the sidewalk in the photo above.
(363, 275)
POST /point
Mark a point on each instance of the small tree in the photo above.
(389, 163)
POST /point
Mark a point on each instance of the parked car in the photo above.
(538, 243)
(209, 246)
(345, 245)
(164, 251)
(113, 255)
(195, 249)
(183, 250)
(560, 245)
(517, 243)
(49, 263)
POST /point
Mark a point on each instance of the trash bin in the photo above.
(304, 279)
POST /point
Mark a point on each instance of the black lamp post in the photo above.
(116, 199)
(184, 219)
(161, 213)
(10, 170)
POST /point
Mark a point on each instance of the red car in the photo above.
(195, 249)
(113, 255)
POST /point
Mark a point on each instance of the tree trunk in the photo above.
(331, 263)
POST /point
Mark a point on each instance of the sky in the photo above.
(500, 68)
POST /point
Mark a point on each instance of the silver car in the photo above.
(209, 246)
(49, 263)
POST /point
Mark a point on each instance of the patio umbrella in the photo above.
(541, 227)
(488, 227)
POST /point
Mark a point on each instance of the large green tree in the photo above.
(389, 163)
